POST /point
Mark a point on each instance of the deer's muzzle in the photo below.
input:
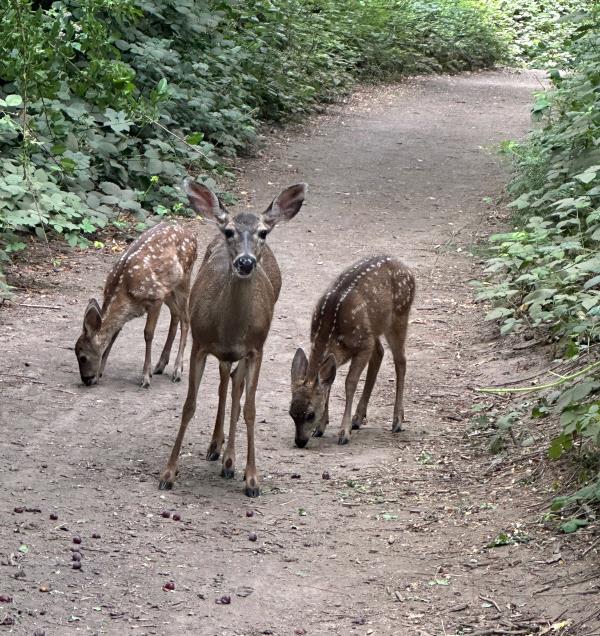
(244, 265)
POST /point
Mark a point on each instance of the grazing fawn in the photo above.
(156, 268)
(231, 308)
(370, 299)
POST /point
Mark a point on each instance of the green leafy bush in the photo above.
(107, 103)
(550, 264)
(543, 30)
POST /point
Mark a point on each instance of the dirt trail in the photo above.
(395, 542)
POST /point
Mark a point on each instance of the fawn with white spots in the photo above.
(368, 300)
(155, 269)
(231, 307)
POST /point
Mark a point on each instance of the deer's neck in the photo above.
(236, 303)
(318, 352)
(116, 311)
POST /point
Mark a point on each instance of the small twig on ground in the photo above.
(590, 548)
(499, 630)
(33, 306)
(490, 600)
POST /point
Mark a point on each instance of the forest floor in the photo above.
(398, 540)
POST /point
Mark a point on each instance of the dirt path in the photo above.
(395, 542)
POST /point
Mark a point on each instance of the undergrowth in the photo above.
(106, 104)
(544, 276)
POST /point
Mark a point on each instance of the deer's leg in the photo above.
(359, 362)
(184, 317)
(106, 352)
(373, 369)
(153, 314)
(397, 340)
(252, 373)
(166, 352)
(214, 449)
(197, 364)
(237, 388)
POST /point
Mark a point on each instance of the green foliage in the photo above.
(105, 104)
(550, 264)
(543, 30)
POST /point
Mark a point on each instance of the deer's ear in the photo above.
(92, 319)
(327, 370)
(285, 205)
(299, 366)
(205, 201)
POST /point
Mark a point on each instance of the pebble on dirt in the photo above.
(19, 509)
(77, 540)
(252, 536)
(325, 475)
(249, 513)
(224, 600)
(176, 517)
(165, 514)
(39, 632)
(53, 516)
(76, 556)
(76, 565)
(96, 535)
(5, 598)
(169, 586)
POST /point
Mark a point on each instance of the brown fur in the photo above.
(231, 307)
(370, 299)
(156, 268)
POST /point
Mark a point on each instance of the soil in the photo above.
(397, 540)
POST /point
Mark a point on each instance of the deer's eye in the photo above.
(310, 417)
(228, 233)
(82, 359)
(262, 234)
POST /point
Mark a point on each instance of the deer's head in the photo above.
(87, 348)
(246, 233)
(310, 396)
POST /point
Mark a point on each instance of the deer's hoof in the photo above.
(213, 453)
(159, 369)
(228, 470)
(164, 484)
(145, 383)
(176, 376)
(252, 489)
(343, 439)
(357, 422)
(396, 426)
(317, 433)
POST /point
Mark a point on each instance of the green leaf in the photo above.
(572, 525)
(498, 312)
(439, 582)
(23, 548)
(13, 100)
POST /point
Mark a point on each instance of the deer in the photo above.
(155, 269)
(370, 299)
(231, 308)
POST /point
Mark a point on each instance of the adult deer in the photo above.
(231, 306)
(156, 268)
(370, 299)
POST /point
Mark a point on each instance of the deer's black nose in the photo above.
(301, 442)
(245, 264)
